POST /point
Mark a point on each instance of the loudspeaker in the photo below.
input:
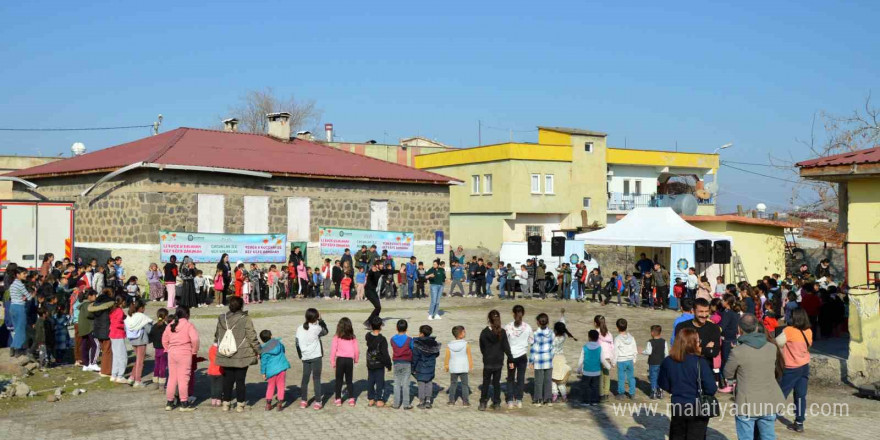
(534, 245)
(721, 252)
(703, 251)
(557, 246)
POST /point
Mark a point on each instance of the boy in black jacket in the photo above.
(378, 360)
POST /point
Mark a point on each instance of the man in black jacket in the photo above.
(710, 333)
(336, 275)
(479, 278)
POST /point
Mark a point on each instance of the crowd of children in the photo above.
(107, 321)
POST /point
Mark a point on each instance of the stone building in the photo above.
(12, 163)
(197, 180)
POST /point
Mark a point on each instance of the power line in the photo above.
(763, 175)
(507, 129)
(78, 129)
(750, 163)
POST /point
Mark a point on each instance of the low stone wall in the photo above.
(133, 207)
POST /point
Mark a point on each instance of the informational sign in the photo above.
(334, 241)
(208, 248)
(438, 242)
(682, 256)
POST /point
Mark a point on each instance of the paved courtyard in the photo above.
(123, 412)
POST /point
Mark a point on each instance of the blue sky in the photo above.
(651, 74)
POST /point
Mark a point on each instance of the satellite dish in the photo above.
(703, 194)
(761, 207)
(78, 149)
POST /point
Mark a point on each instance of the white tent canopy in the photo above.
(649, 227)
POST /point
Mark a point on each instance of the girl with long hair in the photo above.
(181, 341)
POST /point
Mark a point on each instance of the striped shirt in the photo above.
(18, 294)
(541, 355)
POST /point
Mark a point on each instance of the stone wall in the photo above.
(133, 207)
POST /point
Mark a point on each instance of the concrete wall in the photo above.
(477, 230)
(389, 153)
(863, 222)
(761, 248)
(12, 163)
(588, 179)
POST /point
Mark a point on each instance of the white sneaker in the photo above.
(519, 404)
(437, 317)
(430, 318)
(86, 368)
(94, 367)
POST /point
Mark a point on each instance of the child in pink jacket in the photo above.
(344, 353)
(181, 341)
(117, 342)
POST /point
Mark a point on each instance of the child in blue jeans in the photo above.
(626, 351)
(657, 349)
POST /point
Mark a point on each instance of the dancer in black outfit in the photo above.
(371, 291)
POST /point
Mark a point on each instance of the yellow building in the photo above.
(758, 243)
(569, 180)
(857, 175)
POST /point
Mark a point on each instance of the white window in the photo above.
(475, 184)
(536, 184)
(532, 230)
(256, 214)
(548, 184)
(588, 147)
(299, 218)
(638, 187)
(379, 215)
(212, 213)
(487, 184)
(587, 202)
(626, 187)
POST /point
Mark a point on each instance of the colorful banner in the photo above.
(208, 248)
(334, 241)
(682, 256)
(438, 242)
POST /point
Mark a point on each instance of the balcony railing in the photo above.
(627, 202)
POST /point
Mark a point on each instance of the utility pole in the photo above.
(511, 134)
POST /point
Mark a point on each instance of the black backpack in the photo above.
(374, 358)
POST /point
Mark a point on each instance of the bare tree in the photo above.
(255, 104)
(840, 134)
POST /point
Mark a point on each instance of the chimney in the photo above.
(230, 125)
(279, 125)
(328, 128)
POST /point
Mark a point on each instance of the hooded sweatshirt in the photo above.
(426, 349)
(308, 341)
(519, 338)
(141, 324)
(185, 340)
(625, 348)
(493, 348)
(458, 357)
(273, 359)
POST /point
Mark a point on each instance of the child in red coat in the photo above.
(215, 372)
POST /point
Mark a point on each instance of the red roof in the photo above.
(870, 155)
(243, 151)
(738, 219)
